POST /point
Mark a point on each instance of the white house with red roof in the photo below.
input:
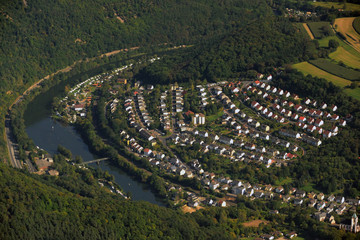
(147, 152)
(327, 134)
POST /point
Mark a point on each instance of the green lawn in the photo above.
(212, 118)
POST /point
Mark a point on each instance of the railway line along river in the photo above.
(48, 134)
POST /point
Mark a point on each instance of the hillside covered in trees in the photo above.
(40, 37)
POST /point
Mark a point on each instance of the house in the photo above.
(340, 199)
(326, 134)
(214, 185)
(258, 194)
(279, 189)
(291, 234)
(235, 90)
(226, 140)
(320, 196)
(249, 192)
(342, 123)
(302, 119)
(79, 107)
(294, 116)
(298, 201)
(320, 216)
(222, 203)
(312, 202)
(323, 106)
(319, 122)
(334, 117)
(333, 108)
(238, 190)
(300, 193)
(147, 152)
(298, 107)
(181, 171)
(320, 205)
(311, 140)
(334, 129)
(331, 198)
(289, 133)
(267, 237)
(311, 128)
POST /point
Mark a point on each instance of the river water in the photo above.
(48, 134)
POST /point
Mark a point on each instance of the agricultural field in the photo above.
(356, 25)
(321, 29)
(304, 29)
(336, 69)
(345, 27)
(307, 68)
(337, 5)
(342, 55)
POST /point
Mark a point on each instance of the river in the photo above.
(48, 134)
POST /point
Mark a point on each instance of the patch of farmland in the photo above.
(302, 29)
(307, 68)
(321, 29)
(345, 27)
(337, 5)
(336, 69)
(356, 24)
(341, 54)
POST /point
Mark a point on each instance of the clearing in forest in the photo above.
(254, 223)
(345, 27)
(308, 31)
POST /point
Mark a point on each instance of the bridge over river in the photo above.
(93, 161)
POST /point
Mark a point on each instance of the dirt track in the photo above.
(344, 26)
(254, 223)
(308, 31)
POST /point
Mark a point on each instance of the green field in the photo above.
(344, 53)
(301, 29)
(337, 5)
(321, 29)
(346, 57)
(356, 25)
(335, 69)
(307, 68)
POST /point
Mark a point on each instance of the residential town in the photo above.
(257, 123)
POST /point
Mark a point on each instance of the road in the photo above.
(11, 145)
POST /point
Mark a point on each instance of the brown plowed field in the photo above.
(344, 26)
(308, 31)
